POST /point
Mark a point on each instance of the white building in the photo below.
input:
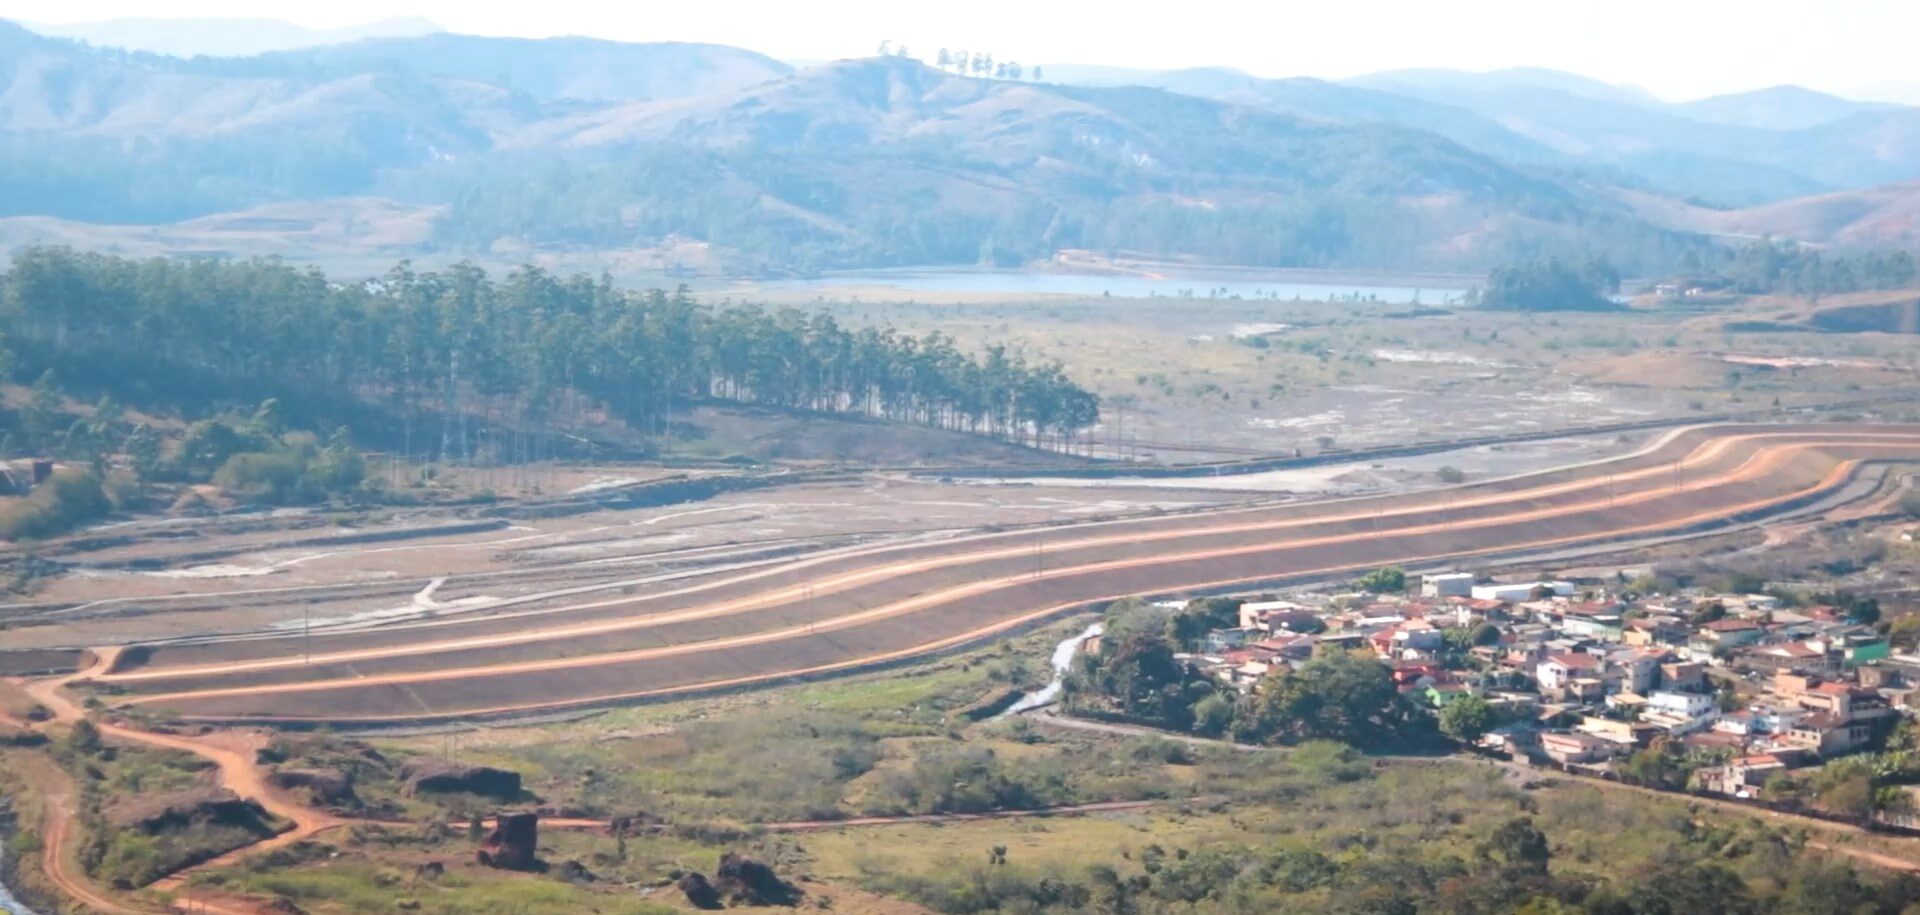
(1692, 705)
(1515, 593)
(1680, 713)
(1450, 584)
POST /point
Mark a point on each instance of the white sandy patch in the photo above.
(599, 483)
(215, 570)
(1243, 331)
(1429, 357)
(1310, 421)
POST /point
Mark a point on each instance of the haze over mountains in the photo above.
(519, 144)
(224, 37)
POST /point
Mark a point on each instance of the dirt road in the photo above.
(232, 752)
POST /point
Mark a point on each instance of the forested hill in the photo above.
(455, 364)
(881, 161)
(887, 161)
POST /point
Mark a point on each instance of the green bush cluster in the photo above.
(67, 500)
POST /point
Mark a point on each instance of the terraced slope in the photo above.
(869, 606)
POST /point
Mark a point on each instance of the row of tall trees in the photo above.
(450, 362)
(969, 63)
(1770, 266)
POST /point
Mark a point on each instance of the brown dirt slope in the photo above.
(855, 609)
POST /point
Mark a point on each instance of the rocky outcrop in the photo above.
(699, 890)
(441, 777)
(741, 880)
(324, 787)
(177, 810)
(512, 842)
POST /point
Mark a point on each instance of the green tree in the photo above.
(46, 412)
(1547, 285)
(1137, 676)
(1341, 696)
(1517, 846)
(1213, 715)
(1467, 718)
(1663, 765)
(1690, 890)
(83, 740)
(143, 454)
(1385, 580)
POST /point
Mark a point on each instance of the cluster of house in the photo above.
(1586, 675)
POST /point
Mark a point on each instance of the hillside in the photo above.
(1736, 150)
(1325, 100)
(219, 135)
(581, 69)
(1732, 150)
(223, 37)
(573, 144)
(1779, 108)
(1887, 216)
(888, 161)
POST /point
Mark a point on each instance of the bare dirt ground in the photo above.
(259, 587)
(842, 611)
(1199, 378)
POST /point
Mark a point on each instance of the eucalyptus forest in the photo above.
(456, 365)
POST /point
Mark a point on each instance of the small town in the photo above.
(1071, 458)
(1737, 694)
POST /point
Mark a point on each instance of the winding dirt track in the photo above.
(875, 605)
(231, 752)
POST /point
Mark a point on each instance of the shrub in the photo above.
(1386, 580)
(277, 477)
(69, 499)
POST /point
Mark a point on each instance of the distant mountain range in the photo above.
(492, 145)
(223, 37)
(1732, 150)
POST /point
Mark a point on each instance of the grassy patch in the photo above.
(356, 886)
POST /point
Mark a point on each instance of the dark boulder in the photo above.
(511, 843)
(699, 890)
(440, 777)
(744, 881)
(574, 872)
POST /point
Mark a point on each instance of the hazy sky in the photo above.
(1676, 48)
